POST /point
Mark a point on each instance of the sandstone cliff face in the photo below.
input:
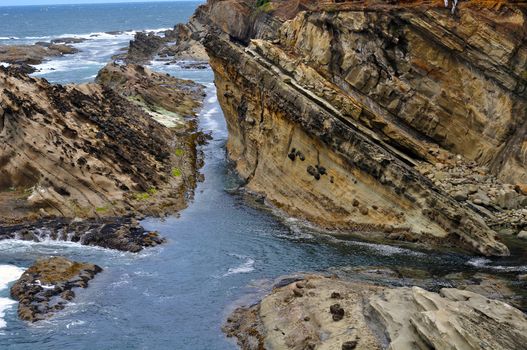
(87, 152)
(332, 114)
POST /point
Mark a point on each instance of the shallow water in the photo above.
(224, 249)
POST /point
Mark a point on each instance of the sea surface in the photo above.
(226, 249)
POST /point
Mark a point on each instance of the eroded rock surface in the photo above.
(334, 111)
(84, 151)
(47, 286)
(183, 42)
(301, 315)
(170, 101)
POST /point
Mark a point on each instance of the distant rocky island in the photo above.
(401, 122)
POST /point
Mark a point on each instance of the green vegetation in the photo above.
(260, 3)
(152, 191)
(176, 172)
(143, 196)
(179, 152)
(102, 209)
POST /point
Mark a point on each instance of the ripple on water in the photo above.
(246, 267)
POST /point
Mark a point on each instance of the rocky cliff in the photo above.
(92, 151)
(344, 113)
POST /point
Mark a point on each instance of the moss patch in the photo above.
(143, 196)
(176, 172)
(179, 152)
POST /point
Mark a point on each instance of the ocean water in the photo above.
(224, 250)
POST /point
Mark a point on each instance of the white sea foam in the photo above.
(212, 99)
(246, 267)
(5, 303)
(484, 263)
(8, 274)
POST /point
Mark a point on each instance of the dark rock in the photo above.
(47, 286)
(337, 311)
(349, 345)
(335, 295)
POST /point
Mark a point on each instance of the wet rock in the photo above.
(33, 54)
(335, 295)
(337, 311)
(47, 286)
(298, 292)
(124, 234)
(522, 234)
(349, 345)
(178, 43)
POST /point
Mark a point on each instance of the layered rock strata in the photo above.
(85, 151)
(47, 286)
(334, 113)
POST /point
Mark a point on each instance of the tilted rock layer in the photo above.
(333, 113)
(327, 313)
(84, 151)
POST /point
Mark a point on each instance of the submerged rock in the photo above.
(377, 317)
(47, 286)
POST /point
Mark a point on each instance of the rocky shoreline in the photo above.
(48, 285)
(101, 154)
(318, 312)
(120, 233)
(23, 57)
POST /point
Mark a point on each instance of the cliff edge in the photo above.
(375, 117)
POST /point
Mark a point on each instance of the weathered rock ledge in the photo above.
(87, 155)
(334, 112)
(317, 312)
(47, 286)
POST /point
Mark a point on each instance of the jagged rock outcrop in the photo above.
(181, 43)
(334, 114)
(47, 286)
(316, 312)
(170, 101)
(84, 151)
